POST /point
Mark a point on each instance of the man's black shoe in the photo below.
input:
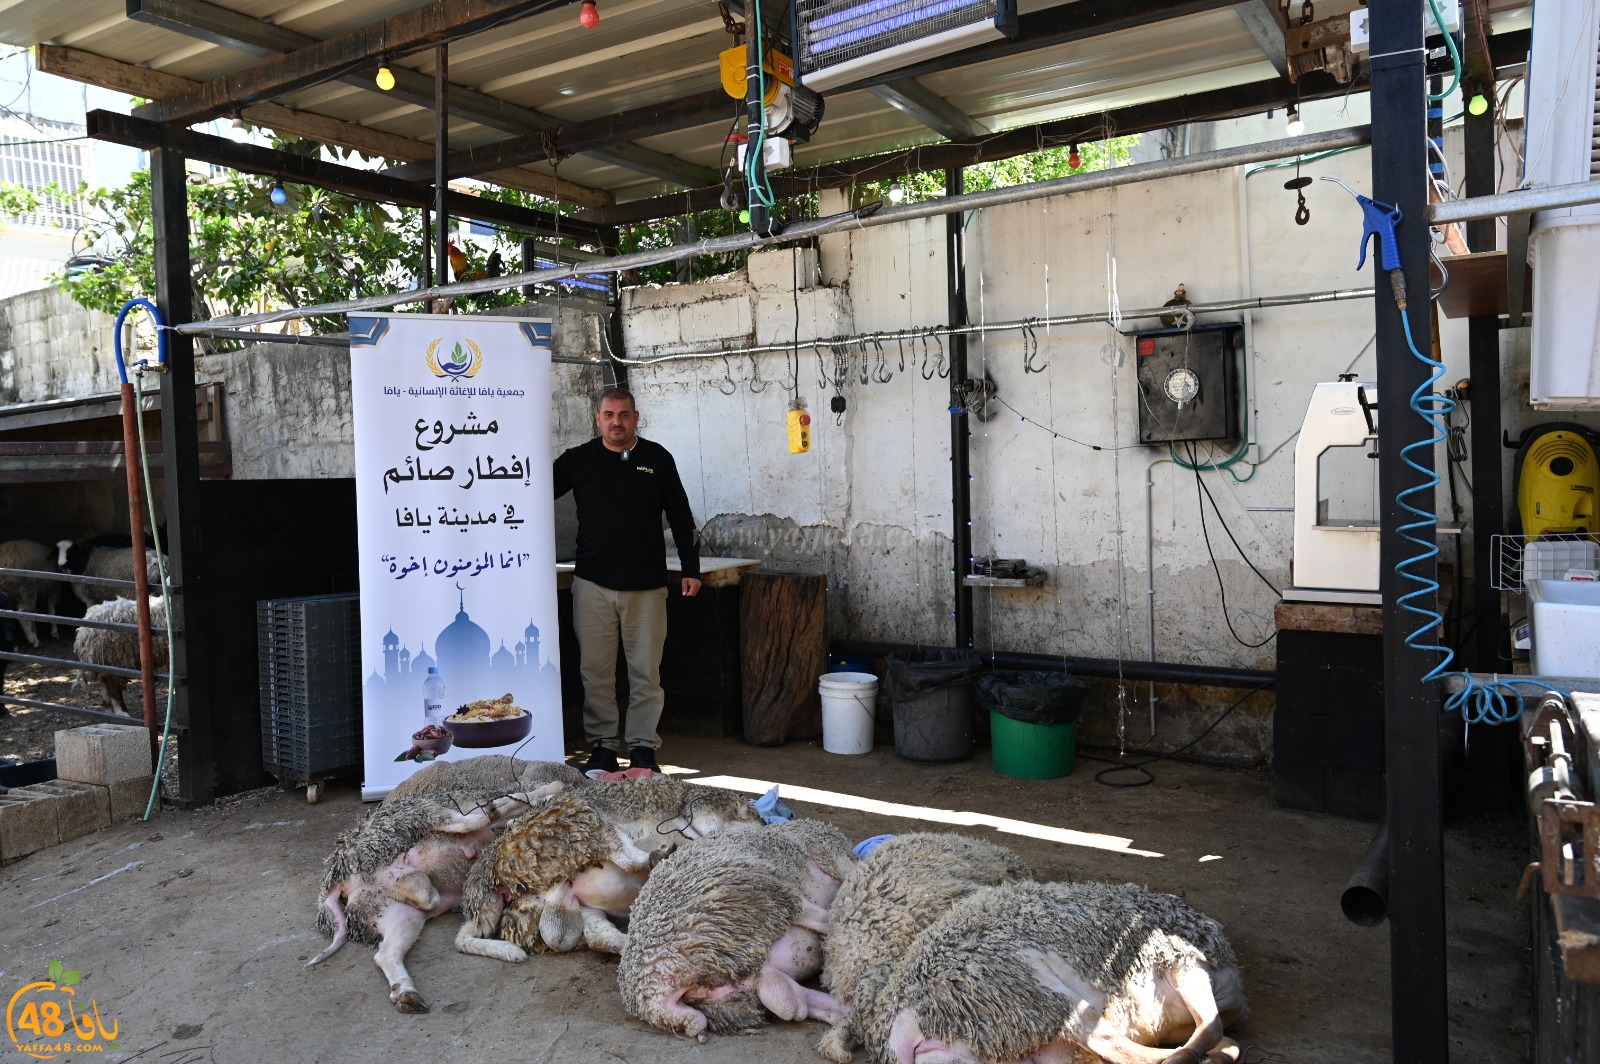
(643, 757)
(600, 758)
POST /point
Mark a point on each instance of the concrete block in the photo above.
(80, 808)
(103, 753)
(27, 823)
(778, 269)
(717, 319)
(128, 798)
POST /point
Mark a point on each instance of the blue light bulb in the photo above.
(279, 196)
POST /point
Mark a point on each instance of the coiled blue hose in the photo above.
(1478, 703)
(116, 334)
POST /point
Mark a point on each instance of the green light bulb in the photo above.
(744, 216)
(1478, 104)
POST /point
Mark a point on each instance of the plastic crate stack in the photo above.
(309, 651)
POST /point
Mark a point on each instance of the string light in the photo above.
(278, 196)
(589, 17)
(896, 193)
(385, 78)
(1074, 160)
(1478, 104)
(1296, 126)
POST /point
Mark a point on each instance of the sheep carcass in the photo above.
(1041, 971)
(898, 890)
(27, 592)
(488, 775)
(118, 647)
(729, 925)
(113, 563)
(402, 865)
(560, 874)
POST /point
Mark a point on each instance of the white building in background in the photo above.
(42, 142)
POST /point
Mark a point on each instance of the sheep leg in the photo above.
(813, 917)
(1111, 1043)
(788, 1000)
(599, 933)
(561, 923)
(1193, 986)
(475, 936)
(27, 598)
(838, 1044)
(114, 688)
(399, 925)
(673, 1015)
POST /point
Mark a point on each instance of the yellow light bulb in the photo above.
(385, 78)
(1478, 104)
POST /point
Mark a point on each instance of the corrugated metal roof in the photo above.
(646, 52)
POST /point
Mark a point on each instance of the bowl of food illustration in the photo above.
(489, 722)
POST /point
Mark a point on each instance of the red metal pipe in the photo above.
(141, 575)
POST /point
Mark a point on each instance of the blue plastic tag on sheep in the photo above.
(771, 808)
(866, 846)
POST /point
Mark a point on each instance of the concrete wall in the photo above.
(52, 348)
(870, 505)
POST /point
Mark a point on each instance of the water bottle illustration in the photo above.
(433, 697)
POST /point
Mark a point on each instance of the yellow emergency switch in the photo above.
(799, 431)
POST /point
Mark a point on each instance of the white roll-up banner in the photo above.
(457, 541)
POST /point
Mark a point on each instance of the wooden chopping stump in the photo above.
(783, 626)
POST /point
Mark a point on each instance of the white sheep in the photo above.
(112, 563)
(1049, 971)
(559, 875)
(402, 865)
(119, 647)
(898, 890)
(28, 593)
(488, 775)
(729, 926)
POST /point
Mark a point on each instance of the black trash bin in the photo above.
(931, 698)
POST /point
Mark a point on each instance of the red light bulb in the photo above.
(589, 17)
(1074, 160)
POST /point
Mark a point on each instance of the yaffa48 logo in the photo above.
(45, 1021)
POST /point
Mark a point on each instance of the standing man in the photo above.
(622, 485)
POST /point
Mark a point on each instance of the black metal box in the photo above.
(1189, 383)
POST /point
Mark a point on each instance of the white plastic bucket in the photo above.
(848, 710)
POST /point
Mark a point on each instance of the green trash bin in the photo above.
(1033, 729)
(1032, 751)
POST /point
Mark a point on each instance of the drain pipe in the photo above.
(960, 434)
(1365, 900)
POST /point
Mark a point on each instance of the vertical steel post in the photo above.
(1483, 347)
(755, 161)
(960, 432)
(180, 458)
(1411, 707)
(441, 150)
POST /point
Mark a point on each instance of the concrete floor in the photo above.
(192, 931)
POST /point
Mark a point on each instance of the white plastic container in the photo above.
(849, 701)
(1550, 559)
(1566, 627)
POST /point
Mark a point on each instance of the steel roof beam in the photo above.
(587, 136)
(1042, 29)
(230, 29)
(432, 24)
(305, 169)
(1261, 18)
(915, 99)
(106, 73)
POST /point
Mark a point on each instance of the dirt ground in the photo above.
(192, 931)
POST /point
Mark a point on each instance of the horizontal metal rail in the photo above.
(980, 328)
(1517, 201)
(73, 663)
(75, 578)
(78, 622)
(57, 707)
(861, 218)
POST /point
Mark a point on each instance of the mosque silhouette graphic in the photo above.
(469, 668)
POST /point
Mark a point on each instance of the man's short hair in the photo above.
(615, 393)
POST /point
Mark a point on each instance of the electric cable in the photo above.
(1221, 587)
(1450, 44)
(1119, 765)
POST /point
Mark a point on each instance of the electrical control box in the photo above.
(799, 431)
(1189, 383)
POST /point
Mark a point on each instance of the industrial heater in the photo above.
(844, 41)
